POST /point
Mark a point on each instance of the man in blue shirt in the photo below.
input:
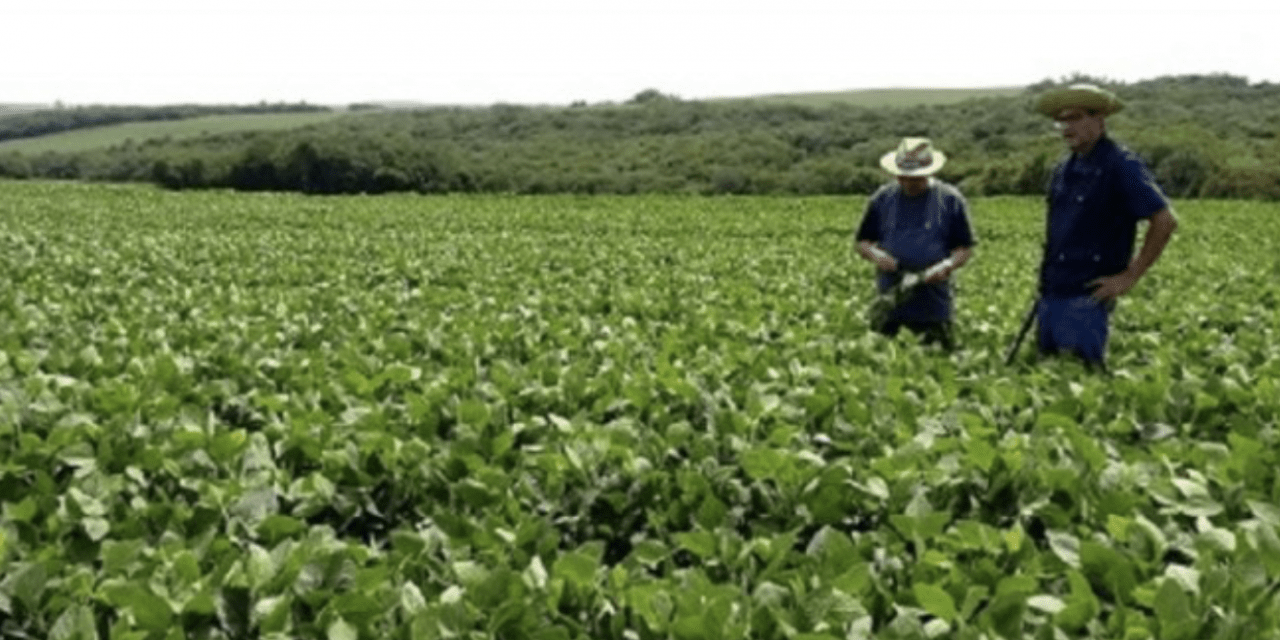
(916, 228)
(1097, 196)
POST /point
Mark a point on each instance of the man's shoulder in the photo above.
(947, 189)
(1119, 153)
(948, 192)
(882, 195)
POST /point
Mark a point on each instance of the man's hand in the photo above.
(877, 256)
(1160, 227)
(1111, 287)
(885, 262)
(940, 271)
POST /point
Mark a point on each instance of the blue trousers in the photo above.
(1077, 325)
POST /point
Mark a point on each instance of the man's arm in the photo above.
(958, 257)
(877, 256)
(961, 238)
(867, 238)
(1160, 228)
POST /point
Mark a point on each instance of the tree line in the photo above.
(1203, 136)
(29, 124)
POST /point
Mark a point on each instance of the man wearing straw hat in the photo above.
(1096, 198)
(916, 232)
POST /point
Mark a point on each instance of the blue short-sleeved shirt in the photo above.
(918, 232)
(1095, 202)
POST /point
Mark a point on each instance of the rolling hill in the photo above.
(107, 136)
(103, 137)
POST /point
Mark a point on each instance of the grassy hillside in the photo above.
(1202, 136)
(11, 109)
(893, 97)
(117, 134)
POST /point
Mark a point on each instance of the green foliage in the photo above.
(263, 415)
(1203, 136)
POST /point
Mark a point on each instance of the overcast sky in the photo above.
(561, 51)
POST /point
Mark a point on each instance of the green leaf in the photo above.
(649, 552)
(28, 581)
(981, 454)
(272, 613)
(577, 567)
(22, 511)
(473, 412)
(1268, 548)
(1187, 577)
(974, 598)
(1014, 537)
(75, 623)
(762, 463)
(1205, 401)
(924, 527)
(402, 374)
(118, 557)
(1109, 567)
(96, 528)
(202, 604)
(277, 527)
(535, 575)
(359, 608)
(409, 543)
(552, 633)
(856, 581)
(1050, 421)
(1265, 511)
(1047, 603)
(1173, 611)
(1066, 547)
(935, 600)
(340, 630)
(1118, 527)
(1082, 605)
(875, 486)
(1005, 613)
(186, 567)
(475, 494)
(152, 612)
(653, 602)
(1020, 584)
(411, 598)
(87, 504)
(700, 543)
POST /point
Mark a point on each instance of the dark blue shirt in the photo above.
(918, 232)
(1095, 202)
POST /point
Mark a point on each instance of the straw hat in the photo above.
(1084, 96)
(913, 157)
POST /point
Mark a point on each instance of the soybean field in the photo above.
(228, 415)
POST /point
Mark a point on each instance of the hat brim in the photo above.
(888, 163)
(1054, 101)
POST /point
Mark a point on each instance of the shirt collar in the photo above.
(1100, 148)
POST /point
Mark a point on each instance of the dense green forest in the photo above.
(1204, 136)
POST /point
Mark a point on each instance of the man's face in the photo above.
(1079, 129)
(913, 185)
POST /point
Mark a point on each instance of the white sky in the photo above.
(559, 51)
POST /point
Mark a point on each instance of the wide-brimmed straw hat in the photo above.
(1084, 96)
(913, 157)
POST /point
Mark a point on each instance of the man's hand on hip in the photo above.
(1111, 287)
